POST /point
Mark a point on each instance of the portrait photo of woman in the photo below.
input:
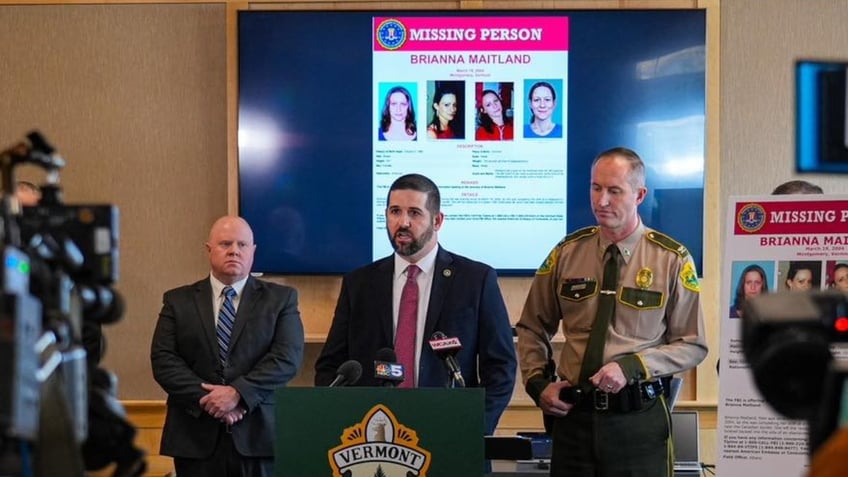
(543, 119)
(752, 281)
(494, 112)
(397, 118)
(801, 275)
(447, 114)
(837, 276)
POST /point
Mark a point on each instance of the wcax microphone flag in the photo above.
(446, 349)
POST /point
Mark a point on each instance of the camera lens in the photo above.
(789, 368)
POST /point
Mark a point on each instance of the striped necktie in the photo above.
(226, 318)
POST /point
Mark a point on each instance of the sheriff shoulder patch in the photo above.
(548, 265)
(689, 278)
(550, 261)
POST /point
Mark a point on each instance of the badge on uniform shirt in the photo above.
(689, 277)
(644, 278)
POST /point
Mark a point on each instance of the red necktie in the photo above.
(407, 326)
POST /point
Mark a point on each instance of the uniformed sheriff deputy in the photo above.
(628, 299)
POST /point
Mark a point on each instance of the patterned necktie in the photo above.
(226, 318)
(407, 326)
(594, 356)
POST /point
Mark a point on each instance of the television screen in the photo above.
(504, 110)
(821, 111)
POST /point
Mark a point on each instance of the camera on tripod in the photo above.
(58, 409)
(788, 340)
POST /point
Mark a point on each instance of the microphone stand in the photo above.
(455, 379)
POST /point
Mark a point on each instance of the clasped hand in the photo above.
(609, 378)
(221, 402)
(550, 402)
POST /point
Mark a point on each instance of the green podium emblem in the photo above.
(379, 445)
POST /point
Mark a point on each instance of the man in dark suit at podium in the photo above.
(400, 301)
(222, 346)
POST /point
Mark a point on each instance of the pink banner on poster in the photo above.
(471, 34)
(791, 217)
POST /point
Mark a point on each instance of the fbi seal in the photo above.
(391, 34)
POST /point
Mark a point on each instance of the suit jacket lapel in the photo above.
(205, 313)
(383, 286)
(443, 278)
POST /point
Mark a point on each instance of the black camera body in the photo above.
(92, 228)
(59, 412)
(787, 339)
(83, 240)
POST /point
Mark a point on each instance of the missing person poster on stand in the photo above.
(777, 243)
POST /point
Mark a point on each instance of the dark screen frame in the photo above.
(327, 192)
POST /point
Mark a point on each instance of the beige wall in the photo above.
(134, 98)
(760, 41)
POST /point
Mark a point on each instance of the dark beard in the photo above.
(415, 246)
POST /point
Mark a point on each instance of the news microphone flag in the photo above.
(444, 344)
(388, 371)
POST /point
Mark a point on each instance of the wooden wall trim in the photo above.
(408, 4)
(402, 4)
(232, 105)
(482, 4)
(707, 382)
(517, 417)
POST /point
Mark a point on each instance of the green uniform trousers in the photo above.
(589, 443)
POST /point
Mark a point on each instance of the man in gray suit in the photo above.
(220, 349)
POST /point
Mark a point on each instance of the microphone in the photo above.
(347, 374)
(386, 370)
(446, 349)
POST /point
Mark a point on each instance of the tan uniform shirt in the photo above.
(658, 317)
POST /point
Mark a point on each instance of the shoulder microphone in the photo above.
(348, 374)
(386, 369)
(446, 349)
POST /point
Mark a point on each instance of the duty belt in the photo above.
(632, 397)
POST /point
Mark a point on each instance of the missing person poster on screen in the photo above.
(478, 105)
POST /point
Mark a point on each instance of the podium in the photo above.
(386, 432)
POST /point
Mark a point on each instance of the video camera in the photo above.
(59, 413)
(788, 341)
